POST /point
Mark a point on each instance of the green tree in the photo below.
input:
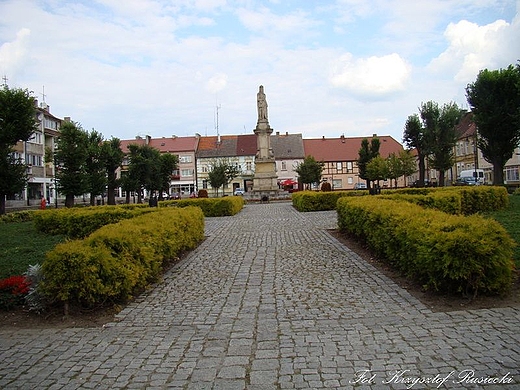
(94, 166)
(70, 157)
(309, 171)
(415, 137)
(394, 168)
(17, 123)
(168, 164)
(143, 170)
(221, 173)
(112, 158)
(367, 152)
(377, 169)
(495, 101)
(439, 127)
(407, 163)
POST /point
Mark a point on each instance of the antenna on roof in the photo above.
(216, 122)
(4, 79)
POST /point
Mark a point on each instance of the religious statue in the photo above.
(262, 104)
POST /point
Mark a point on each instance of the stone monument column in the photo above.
(265, 178)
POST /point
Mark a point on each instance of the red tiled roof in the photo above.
(246, 145)
(346, 148)
(165, 145)
(466, 127)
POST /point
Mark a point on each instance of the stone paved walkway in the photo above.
(271, 301)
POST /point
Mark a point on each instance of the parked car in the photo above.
(360, 186)
(467, 181)
(239, 191)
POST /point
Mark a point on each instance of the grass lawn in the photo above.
(21, 245)
(510, 220)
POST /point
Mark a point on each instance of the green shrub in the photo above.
(80, 222)
(443, 252)
(211, 207)
(120, 259)
(473, 199)
(447, 201)
(17, 216)
(320, 201)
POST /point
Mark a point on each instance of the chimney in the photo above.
(148, 139)
(277, 133)
(323, 138)
(374, 135)
(66, 119)
(286, 133)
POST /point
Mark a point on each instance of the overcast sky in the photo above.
(157, 67)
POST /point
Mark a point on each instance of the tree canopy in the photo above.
(495, 102)
(70, 158)
(112, 157)
(367, 152)
(17, 123)
(309, 171)
(221, 173)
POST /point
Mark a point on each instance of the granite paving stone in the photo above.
(271, 300)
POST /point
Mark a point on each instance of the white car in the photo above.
(239, 191)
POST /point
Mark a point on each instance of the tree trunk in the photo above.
(2, 204)
(498, 173)
(92, 199)
(69, 200)
(111, 196)
(422, 170)
(441, 178)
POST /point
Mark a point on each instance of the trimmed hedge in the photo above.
(472, 199)
(80, 222)
(320, 201)
(443, 252)
(17, 216)
(447, 201)
(211, 207)
(120, 259)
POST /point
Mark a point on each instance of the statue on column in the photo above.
(262, 104)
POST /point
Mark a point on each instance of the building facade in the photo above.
(340, 156)
(37, 154)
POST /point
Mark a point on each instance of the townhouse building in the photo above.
(184, 180)
(288, 153)
(340, 156)
(37, 154)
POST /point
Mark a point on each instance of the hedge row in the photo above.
(80, 222)
(320, 201)
(117, 260)
(211, 207)
(443, 252)
(447, 201)
(17, 216)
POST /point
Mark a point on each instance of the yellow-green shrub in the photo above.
(473, 198)
(447, 201)
(443, 252)
(211, 207)
(119, 259)
(320, 201)
(80, 222)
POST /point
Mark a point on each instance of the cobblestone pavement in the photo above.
(271, 301)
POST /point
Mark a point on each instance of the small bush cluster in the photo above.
(80, 222)
(12, 291)
(211, 207)
(444, 252)
(320, 201)
(447, 201)
(118, 260)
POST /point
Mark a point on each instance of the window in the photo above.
(50, 124)
(248, 166)
(184, 159)
(350, 180)
(339, 166)
(337, 183)
(284, 165)
(34, 160)
(512, 174)
(36, 138)
(186, 172)
(204, 169)
(349, 166)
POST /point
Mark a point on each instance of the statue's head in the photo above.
(262, 88)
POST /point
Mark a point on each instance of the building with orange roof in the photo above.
(184, 180)
(340, 156)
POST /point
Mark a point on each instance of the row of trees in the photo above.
(86, 163)
(494, 99)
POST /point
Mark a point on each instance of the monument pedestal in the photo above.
(265, 183)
